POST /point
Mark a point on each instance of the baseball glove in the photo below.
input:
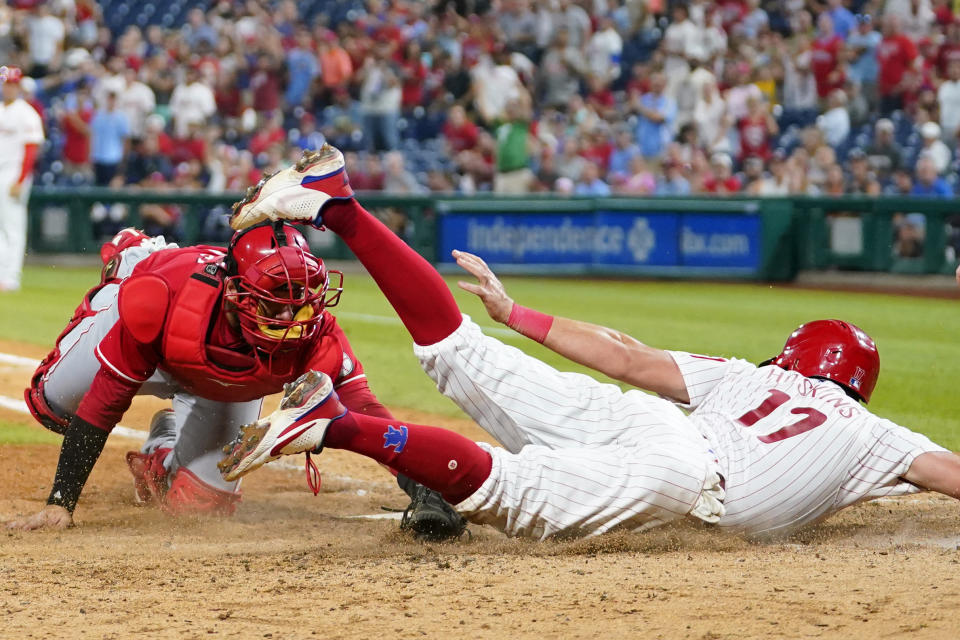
(430, 518)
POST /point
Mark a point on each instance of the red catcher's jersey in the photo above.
(224, 367)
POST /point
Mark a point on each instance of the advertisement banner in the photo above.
(720, 240)
(592, 240)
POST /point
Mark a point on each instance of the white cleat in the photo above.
(296, 194)
(298, 425)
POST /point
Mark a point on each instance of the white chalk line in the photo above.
(18, 361)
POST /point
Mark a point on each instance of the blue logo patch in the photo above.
(396, 438)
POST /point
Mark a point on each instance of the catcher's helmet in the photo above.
(834, 350)
(279, 288)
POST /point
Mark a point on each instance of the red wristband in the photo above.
(529, 322)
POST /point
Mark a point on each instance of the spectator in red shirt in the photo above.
(154, 127)
(412, 74)
(265, 85)
(825, 57)
(731, 13)
(928, 50)
(639, 82)
(943, 11)
(460, 133)
(159, 219)
(895, 56)
(598, 147)
(721, 179)
(369, 176)
(192, 147)
(75, 124)
(227, 95)
(601, 98)
(356, 47)
(949, 50)
(756, 130)
(272, 132)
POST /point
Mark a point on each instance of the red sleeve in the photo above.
(125, 364)
(351, 382)
(107, 400)
(358, 397)
(29, 158)
(126, 357)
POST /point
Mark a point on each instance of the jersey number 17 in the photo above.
(812, 419)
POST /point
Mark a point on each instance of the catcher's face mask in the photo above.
(278, 288)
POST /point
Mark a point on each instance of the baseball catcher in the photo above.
(214, 331)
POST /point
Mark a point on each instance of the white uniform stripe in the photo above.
(350, 379)
(117, 371)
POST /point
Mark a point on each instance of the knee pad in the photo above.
(189, 495)
(40, 409)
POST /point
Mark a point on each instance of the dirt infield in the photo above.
(290, 565)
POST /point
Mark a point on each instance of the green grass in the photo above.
(918, 338)
(26, 434)
(40, 310)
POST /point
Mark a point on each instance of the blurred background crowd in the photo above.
(587, 97)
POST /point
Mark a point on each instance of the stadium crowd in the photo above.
(587, 97)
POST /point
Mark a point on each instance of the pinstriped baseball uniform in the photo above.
(581, 456)
(793, 450)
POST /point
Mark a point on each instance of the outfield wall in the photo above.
(748, 238)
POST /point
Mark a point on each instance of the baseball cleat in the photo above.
(149, 475)
(299, 425)
(296, 194)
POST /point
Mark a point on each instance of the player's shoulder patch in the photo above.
(143, 304)
(348, 365)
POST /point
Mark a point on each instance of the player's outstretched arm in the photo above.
(606, 350)
(82, 445)
(51, 516)
(937, 471)
(958, 275)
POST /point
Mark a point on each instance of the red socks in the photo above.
(411, 284)
(436, 458)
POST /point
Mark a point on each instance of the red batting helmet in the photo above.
(11, 75)
(834, 350)
(279, 288)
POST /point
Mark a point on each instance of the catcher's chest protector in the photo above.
(185, 354)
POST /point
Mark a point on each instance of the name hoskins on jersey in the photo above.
(793, 449)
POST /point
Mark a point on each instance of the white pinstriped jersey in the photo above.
(580, 456)
(20, 125)
(792, 449)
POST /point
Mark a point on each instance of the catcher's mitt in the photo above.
(429, 517)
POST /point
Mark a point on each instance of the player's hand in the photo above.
(15, 190)
(51, 516)
(958, 275)
(490, 290)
